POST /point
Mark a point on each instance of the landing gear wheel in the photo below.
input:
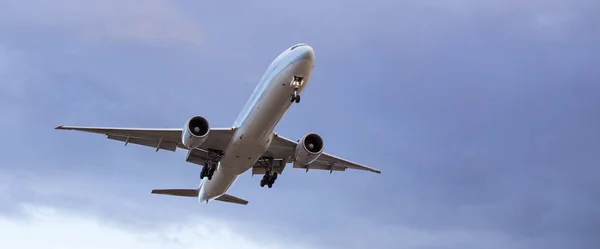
(270, 176)
(268, 180)
(295, 97)
(204, 171)
(211, 165)
(211, 171)
(272, 180)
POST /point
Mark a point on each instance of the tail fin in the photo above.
(194, 193)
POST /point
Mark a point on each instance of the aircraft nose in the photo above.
(307, 53)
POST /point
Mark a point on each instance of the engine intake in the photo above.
(195, 131)
(309, 149)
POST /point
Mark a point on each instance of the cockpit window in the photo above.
(297, 45)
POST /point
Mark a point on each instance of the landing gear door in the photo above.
(199, 157)
(278, 166)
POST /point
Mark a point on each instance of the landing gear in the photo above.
(211, 165)
(296, 84)
(208, 170)
(295, 96)
(270, 176)
(268, 179)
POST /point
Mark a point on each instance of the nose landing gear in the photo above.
(295, 96)
(296, 84)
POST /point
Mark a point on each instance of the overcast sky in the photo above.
(484, 117)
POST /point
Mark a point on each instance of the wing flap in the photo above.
(319, 166)
(282, 147)
(330, 160)
(163, 138)
(166, 133)
(231, 199)
(176, 192)
(154, 143)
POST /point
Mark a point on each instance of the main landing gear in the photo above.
(270, 176)
(296, 84)
(211, 164)
(268, 179)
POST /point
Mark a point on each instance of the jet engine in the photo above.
(309, 149)
(195, 131)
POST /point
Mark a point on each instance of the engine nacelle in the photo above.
(309, 149)
(195, 131)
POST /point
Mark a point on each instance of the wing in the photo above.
(165, 139)
(283, 148)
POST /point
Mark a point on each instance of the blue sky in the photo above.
(483, 115)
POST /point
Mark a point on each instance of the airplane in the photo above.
(251, 143)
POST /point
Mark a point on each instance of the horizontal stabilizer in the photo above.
(177, 192)
(194, 193)
(231, 199)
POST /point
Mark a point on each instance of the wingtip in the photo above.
(59, 127)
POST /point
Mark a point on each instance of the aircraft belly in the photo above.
(218, 185)
(274, 104)
(241, 157)
(252, 140)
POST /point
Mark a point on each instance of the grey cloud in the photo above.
(487, 132)
(152, 21)
(489, 121)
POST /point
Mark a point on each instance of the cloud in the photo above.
(156, 21)
(3, 59)
(53, 227)
(491, 139)
(50, 228)
(89, 218)
(14, 72)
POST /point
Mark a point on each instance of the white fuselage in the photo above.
(257, 121)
